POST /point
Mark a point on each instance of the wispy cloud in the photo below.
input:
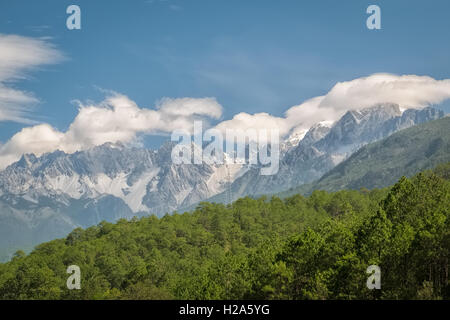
(18, 56)
(39, 29)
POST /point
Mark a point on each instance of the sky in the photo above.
(148, 66)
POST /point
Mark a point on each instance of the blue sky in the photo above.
(252, 56)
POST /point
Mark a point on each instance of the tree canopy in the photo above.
(315, 247)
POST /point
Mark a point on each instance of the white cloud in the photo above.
(36, 139)
(116, 119)
(409, 91)
(257, 121)
(17, 56)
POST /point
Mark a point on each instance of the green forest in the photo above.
(315, 247)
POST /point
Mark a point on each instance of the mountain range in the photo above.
(45, 197)
(324, 146)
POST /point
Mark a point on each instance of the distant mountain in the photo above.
(42, 198)
(326, 145)
(145, 180)
(381, 163)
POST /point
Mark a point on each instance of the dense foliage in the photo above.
(298, 248)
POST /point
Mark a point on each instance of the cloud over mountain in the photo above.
(116, 119)
(408, 91)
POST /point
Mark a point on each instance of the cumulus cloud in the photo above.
(257, 121)
(116, 119)
(18, 55)
(408, 91)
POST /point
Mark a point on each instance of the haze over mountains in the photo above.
(42, 198)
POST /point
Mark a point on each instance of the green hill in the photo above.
(380, 164)
(317, 247)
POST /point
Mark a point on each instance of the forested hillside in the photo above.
(315, 247)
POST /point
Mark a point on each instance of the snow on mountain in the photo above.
(45, 197)
(292, 141)
(131, 174)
